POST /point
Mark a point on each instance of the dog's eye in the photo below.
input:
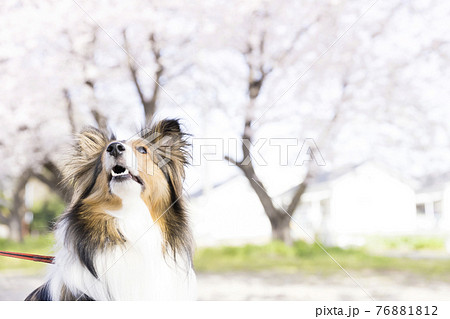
(141, 149)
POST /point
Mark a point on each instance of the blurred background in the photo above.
(320, 133)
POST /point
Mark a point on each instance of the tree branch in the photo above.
(232, 161)
(148, 104)
(150, 107)
(323, 136)
(49, 182)
(133, 70)
(260, 190)
(296, 37)
(69, 106)
(53, 178)
(389, 17)
(181, 71)
(300, 190)
(100, 119)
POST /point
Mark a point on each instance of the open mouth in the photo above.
(120, 173)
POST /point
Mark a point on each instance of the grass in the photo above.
(407, 243)
(34, 245)
(275, 256)
(311, 259)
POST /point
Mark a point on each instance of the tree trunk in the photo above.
(279, 219)
(280, 222)
(257, 72)
(52, 177)
(18, 208)
(15, 228)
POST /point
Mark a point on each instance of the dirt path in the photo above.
(271, 286)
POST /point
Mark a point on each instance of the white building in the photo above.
(342, 208)
(429, 202)
(433, 206)
(345, 206)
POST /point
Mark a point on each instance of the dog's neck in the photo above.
(134, 221)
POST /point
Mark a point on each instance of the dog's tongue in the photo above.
(118, 169)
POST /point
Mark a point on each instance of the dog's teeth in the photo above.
(119, 174)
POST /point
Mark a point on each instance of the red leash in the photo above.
(32, 257)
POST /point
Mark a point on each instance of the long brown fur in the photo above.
(169, 150)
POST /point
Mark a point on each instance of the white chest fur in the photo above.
(136, 271)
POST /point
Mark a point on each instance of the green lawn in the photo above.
(275, 256)
(406, 243)
(311, 259)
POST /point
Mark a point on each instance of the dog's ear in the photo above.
(164, 132)
(167, 139)
(168, 143)
(91, 142)
(168, 126)
(81, 161)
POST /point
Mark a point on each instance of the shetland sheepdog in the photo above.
(125, 235)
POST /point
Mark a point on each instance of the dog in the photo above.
(125, 234)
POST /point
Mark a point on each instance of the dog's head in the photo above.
(151, 165)
(107, 173)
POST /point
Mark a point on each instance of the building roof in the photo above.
(434, 182)
(200, 192)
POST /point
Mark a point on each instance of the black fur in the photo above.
(97, 171)
(43, 294)
(85, 248)
(40, 294)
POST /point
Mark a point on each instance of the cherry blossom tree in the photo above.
(320, 66)
(361, 79)
(60, 70)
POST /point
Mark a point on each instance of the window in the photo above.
(420, 209)
(437, 209)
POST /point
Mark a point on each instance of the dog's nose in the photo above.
(115, 149)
